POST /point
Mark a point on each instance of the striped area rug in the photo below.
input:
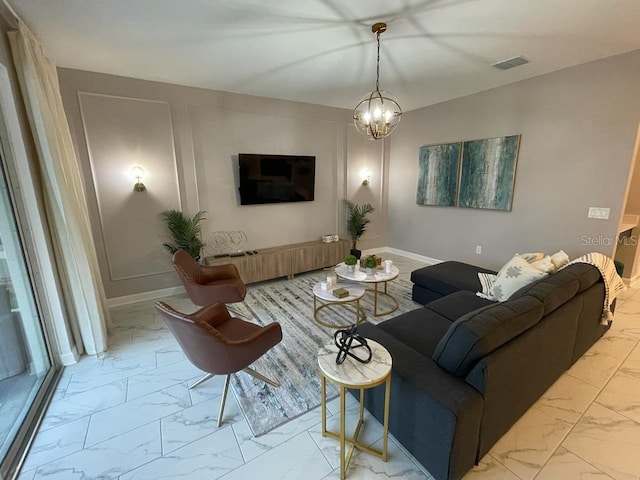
(293, 361)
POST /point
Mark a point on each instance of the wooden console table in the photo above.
(285, 261)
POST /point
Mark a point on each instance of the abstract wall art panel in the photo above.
(438, 174)
(488, 170)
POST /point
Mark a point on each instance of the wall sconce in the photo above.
(366, 177)
(137, 172)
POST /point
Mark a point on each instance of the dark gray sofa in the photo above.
(465, 368)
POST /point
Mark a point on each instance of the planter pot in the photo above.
(356, 253)
(369, 272)
(351, 268)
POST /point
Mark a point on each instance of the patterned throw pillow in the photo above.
(486, 282)
(544, 265)
(514, 275)
(531, 257)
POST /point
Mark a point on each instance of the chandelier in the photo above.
(378, 114)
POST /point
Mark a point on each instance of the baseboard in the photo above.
(631, 282)
(144, 296)
(413, 256)
(70, 358)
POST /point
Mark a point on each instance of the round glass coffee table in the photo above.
(355, 375)
(356, 292)
(377, 277)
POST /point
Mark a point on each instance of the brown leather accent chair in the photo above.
(209, 284)
(220, 344)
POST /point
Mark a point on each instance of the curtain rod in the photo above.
(12, 12)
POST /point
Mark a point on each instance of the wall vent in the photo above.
(511, 63)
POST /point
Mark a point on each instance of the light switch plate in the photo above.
(601, 213)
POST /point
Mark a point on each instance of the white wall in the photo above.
(578, 130)
(187, 140)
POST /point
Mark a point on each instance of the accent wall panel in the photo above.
(120, 133)
(219, 135)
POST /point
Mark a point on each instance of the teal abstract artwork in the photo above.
(438, 167)
(488, 170)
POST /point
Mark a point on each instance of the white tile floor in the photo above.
(131, 416)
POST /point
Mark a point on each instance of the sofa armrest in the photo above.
(434, 415)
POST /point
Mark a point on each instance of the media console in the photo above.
(285, 261)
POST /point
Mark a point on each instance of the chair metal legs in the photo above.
(224, 399)
(259, 376)
(203, 379)
(225, 389)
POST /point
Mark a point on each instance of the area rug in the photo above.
(293, 361)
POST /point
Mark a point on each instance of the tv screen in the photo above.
(276, 178)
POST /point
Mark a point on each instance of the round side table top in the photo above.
(359, 275)
(352, 373)
(356, 291)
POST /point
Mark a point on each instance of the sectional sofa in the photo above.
(466, 368)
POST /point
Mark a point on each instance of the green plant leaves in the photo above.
(357, 220)
(185, 232)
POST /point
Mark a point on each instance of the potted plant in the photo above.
(185, 232)
(350, 261)
(370, 263)
(357, 222)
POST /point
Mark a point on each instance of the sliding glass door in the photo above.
(25, 361)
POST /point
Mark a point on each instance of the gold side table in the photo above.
(355, 375)
(356, 292)
(378, 276)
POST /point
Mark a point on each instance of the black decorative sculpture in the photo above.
(344, 340)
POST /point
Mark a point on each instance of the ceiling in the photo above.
(323, 51)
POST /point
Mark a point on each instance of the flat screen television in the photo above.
(276, 178)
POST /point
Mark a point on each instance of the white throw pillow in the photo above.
(514, 275)
(531, 257)
(559, 259)
(486, 282)
(544, 265)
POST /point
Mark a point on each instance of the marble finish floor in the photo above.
(131, 416)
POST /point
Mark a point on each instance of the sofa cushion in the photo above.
(482, 331)
(553, 291)
(458, 304)
(449, 277)
(420, 329)
(586, 274)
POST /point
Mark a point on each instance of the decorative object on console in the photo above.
(378, 113)
(137, 172)
(185, 231)
(330, 238)
(357, 222)
(226, 242)
(344, 340)
(471, 174)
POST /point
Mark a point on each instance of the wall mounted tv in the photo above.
(276, 178)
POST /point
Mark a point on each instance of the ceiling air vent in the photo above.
(511, 63)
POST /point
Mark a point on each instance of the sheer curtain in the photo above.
(66, 207)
